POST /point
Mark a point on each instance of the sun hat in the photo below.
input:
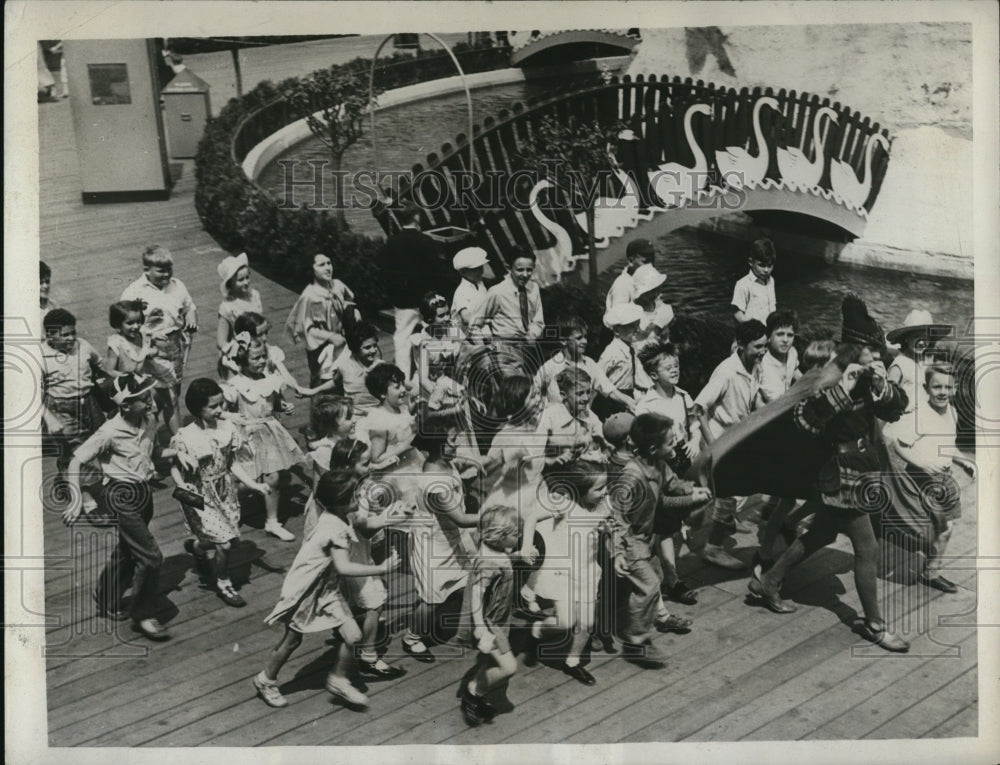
(617, 427)
(470, 257)
(228, 268)
(647, 278)
(622, 315)
(919, 321)
(129, 386)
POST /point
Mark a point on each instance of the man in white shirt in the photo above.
(470, 295)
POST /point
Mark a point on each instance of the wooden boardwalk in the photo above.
(743, 673)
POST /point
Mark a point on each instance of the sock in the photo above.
(472, 688)
(572, 661)
(368, 655)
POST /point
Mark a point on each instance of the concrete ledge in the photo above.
(282, 140)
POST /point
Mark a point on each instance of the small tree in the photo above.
(334, 104)
(573, 156)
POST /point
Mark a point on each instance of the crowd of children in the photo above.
(555, 495)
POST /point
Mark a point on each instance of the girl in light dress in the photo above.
(369, 520)
(238, 297)
(331, 418)
(206, 463)
(570, 575)
(321, 314)
(255, 393)
(311, 598)
(389, 427)
(514, 466)
(441, 544)
(131, 351)
(353, 365)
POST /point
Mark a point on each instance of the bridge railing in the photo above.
(654, 109)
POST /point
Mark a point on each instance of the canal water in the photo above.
(701, 267)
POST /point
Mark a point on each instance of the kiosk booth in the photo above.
(120, 139)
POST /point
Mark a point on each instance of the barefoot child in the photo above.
(205, 465)
(486, 611)
(311, 598)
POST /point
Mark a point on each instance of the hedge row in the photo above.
(242, 217)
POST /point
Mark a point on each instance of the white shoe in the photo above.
(341, 686)
(275, 529)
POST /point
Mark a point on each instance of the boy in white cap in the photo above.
(470, 295)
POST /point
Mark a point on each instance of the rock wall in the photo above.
(914, 79)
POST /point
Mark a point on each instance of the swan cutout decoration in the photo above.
(611, 217)
(676, 184)
(797, 172)
(560, 258)
(737, 166)
(847, 189)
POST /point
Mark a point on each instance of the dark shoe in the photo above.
(673, 623)
(383, 672)
(760, 566)
(424, 656)
(579, 674)
(230, 597)
(115, 616)
(883, 638)
(938, 583)
(771, 600)
(472, 710)
(642, 655)
(681, 592)
(152, 629)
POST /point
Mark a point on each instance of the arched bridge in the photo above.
(685, 151)
(528, 48)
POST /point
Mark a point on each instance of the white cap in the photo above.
(646, 278)
(622, 315)
(470, 257)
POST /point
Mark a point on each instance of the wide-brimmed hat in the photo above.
(622, 315)
(858, 325)
(647, 278)
(129, 386)
(228, 268)
(920, 322)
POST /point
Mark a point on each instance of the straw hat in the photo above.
(129, 386)
(920, 322)
(228, 268)
(622, 315)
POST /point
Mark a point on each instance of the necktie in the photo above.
(522, 295)
(631, 353)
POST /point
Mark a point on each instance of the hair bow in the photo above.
(229, 353)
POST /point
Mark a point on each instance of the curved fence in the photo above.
(747, 139)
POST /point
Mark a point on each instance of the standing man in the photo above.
(411, 267)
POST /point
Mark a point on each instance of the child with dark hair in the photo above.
(779, 367)
(70, 411)
(753, 295)
(205, 465)
(486, 610)
(311, 596)
(727, 398)
(354, 364)
(44, 286)
(130, 350)
(513, 309)
(645, 486)
(389, 427)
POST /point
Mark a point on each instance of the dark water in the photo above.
(701, 268)
(405, 135)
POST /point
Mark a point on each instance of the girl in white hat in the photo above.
(238, 297)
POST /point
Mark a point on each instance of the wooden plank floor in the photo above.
(742, 674)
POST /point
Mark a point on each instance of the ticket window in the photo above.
(115, 99)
